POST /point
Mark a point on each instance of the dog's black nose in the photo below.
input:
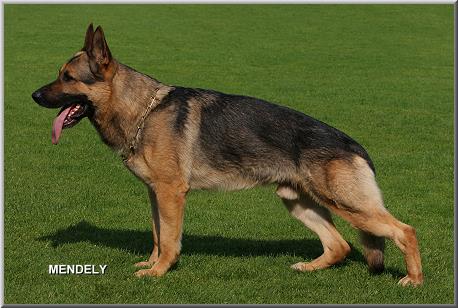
(36, 96)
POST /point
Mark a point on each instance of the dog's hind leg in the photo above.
(319, 220)
(155, 227)
(350, 190)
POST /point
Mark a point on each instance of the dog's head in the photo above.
(82, 83)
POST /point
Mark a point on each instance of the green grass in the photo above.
(381, 73)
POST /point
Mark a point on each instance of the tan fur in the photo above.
(349, 190)
(154, 257)
(157, 165)
(287, 192)
(319, 220)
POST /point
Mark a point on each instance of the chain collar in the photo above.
(156, 98)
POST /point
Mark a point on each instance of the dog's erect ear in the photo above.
(88, 38)
(99, 53)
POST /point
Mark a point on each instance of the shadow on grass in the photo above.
(140, 242)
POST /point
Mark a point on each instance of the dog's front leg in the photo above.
(155, 227)
(170, 209)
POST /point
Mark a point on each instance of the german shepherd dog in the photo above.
(175, 139)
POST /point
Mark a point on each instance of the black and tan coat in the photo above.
(203, 139)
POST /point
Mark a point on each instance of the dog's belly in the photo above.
(207, 178)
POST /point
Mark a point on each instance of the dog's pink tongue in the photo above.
(58, 124)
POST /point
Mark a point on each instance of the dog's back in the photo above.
(247, 138)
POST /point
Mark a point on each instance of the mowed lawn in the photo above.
(381, 73)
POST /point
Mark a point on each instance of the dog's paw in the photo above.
(145, 272)
(143, 264)
(303, 267)
(410, 281)
(154, 272)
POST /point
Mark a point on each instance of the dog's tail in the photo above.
(373, 251)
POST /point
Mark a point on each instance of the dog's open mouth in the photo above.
(66, 118)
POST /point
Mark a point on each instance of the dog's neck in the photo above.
(130, 94)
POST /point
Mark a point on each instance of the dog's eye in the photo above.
(66, 77)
